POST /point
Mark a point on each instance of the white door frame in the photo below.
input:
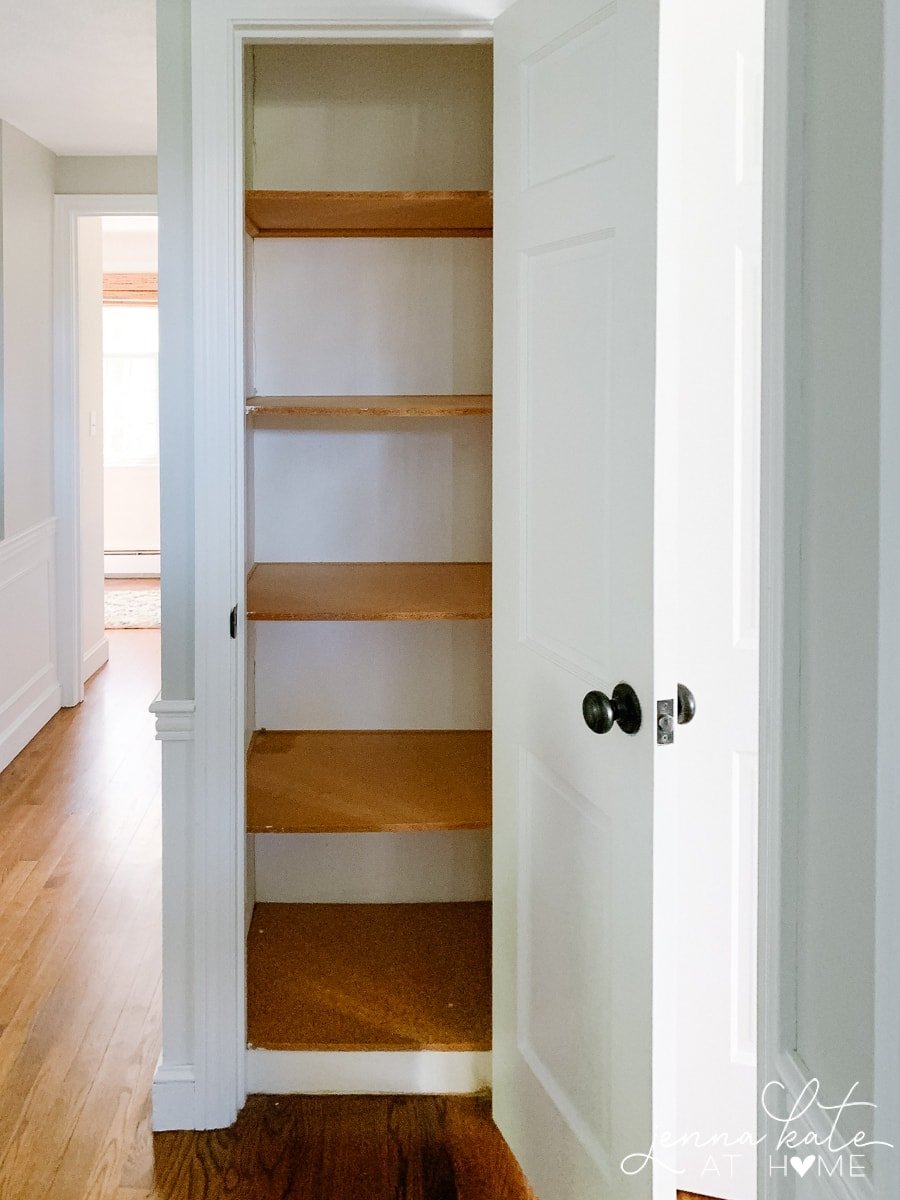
(220, 29)
(67, 454)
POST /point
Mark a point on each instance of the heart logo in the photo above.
(802, 1165)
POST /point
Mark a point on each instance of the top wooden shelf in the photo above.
(369, 214)
(263, 408)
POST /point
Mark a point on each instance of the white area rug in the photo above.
(132, 609)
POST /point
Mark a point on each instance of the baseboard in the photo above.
(174, 1099)
(367, 1072)
(131, 566)
(95, 658)
(22, 728)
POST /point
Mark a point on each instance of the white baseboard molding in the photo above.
(95, 658)
(174, 1099)
(131, 566)
(367, 1072)
(25, 724)
(374, 868)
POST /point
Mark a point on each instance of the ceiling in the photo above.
(80, 75)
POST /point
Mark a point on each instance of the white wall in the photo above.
(110, 175)
(382, 117)
(29, 692)
(822, 941)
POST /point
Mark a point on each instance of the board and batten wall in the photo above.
(29, 687)
(370, 316)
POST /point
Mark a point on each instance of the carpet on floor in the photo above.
(128, 608)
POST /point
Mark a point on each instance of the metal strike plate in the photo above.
(665, 722)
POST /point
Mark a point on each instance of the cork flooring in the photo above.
(369, 977)
(368, 781)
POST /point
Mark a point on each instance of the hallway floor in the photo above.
(79, 1004)
(80, 940)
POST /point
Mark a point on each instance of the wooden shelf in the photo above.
(262, 407)
(369, 592)
(369, 214)
(364, 781)
(369, 977)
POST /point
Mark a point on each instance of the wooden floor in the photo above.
(79, 939)
(344, 1148)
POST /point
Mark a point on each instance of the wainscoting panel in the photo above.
(29, 685)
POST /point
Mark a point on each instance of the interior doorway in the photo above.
(107, 415)
(118, 395)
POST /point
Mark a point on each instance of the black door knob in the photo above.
(623, 709)
(687, 705)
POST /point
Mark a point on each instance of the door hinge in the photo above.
(232, 622)
(665, 722)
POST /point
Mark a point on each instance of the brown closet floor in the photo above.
(369, 977)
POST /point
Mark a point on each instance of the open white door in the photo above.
(583, 598)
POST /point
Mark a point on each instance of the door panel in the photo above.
(577, 560)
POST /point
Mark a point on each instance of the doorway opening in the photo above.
(107, 414)
(130, 419)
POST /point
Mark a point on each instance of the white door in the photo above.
(583, 599)
(718, 51)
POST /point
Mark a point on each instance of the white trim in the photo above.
(174, 719)
(31, 720)
(367, 1072)
(887, 848)
(27, 539)
(219, 32)
(174, 1098)
(782, 180)
(95, 658)
(66, 483)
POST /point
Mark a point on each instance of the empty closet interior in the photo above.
(368, 534)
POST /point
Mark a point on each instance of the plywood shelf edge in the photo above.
(369, 214)
(259, 408)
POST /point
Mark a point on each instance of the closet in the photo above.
(368, 534)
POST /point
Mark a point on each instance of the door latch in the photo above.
(665, 722)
